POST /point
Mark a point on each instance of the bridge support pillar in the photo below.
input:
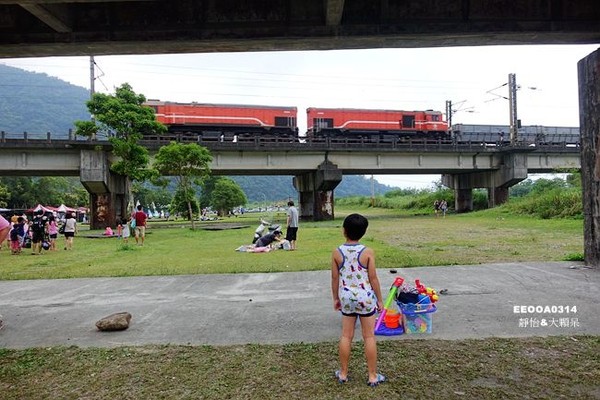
(316, 192)
(589, 122)
(512, 169)
(497, 196)
(107, 190)
(463, 190)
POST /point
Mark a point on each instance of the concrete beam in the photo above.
(53, 16)
(316, 192)
(109, 27)
(15, 162)
(334, 10)
(95, 170)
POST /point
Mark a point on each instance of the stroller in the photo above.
(264, 228)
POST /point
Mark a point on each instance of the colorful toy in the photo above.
(422, 289)
(417, 323)
(388, 301)
(417, 306)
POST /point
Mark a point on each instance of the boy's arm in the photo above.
(335, 279)
(368, 259)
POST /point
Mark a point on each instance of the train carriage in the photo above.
(348, 122)
(527, 135)
(225, 120)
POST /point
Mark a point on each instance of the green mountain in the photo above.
(279, 188)
(37, 103)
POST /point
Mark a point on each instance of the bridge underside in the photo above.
(34, 28)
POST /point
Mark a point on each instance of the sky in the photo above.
(473, 78)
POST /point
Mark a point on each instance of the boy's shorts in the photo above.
(359, 315)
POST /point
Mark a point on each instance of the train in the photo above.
(227, 121)
(381, 123)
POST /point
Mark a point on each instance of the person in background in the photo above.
(39, 226)
(140, 225)
(292, 225)
(436, 207)
(444, 207)
(16, 236)
(126, 232)
(356, 293)
(52, 231)
(269, 239)
(70, 231)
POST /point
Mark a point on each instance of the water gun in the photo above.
(388, 301)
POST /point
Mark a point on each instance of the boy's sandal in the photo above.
(340, 380)
(380, 379)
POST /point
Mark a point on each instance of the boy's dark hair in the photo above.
(290, 203)
(139, 207)
(355, 226)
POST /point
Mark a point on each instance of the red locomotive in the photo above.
(225, 120)
(383, 123)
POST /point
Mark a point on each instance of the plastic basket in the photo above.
(417, 318)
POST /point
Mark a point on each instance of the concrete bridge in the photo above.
(317, 165)
(36, 28)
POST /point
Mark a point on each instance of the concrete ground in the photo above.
(501, 300)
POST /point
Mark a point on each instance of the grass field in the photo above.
(532, 368)
(398, 240)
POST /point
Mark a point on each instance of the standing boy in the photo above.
(291, 232)
(356, 293)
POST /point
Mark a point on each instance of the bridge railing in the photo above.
(311, 143)
(47, 137)
(478, 142)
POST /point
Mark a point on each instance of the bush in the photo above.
(556, 203)
(544, 199)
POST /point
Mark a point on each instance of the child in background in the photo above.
(119, 228)
(16, 236)
(52, 231)
(357, 294)
(126, 232)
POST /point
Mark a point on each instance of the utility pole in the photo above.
(92, 87)
(512, 102)
(449, 113)
(92, 77)
(372, 191)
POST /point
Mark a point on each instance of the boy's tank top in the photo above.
(355, 291)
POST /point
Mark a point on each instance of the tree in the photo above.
(24, 192)
(4, 195)
(188, 163)
(208, 186)
(184, 202)
(227, 195)
(124, 119)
